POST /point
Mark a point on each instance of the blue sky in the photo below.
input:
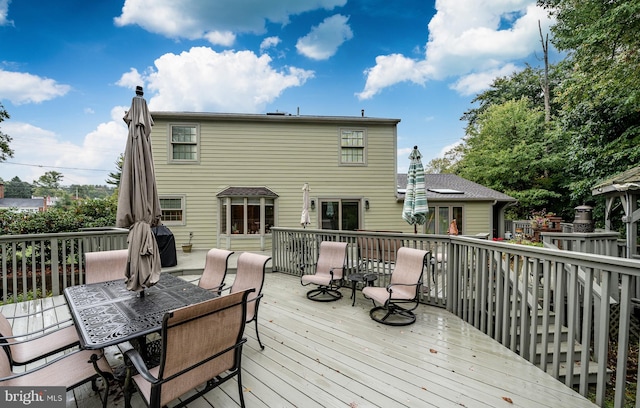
(68, 69)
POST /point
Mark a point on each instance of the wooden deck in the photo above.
(334, 355)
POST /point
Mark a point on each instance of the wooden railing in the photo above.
(44, 264)
(520, 295)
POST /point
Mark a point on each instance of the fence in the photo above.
(47, 263)
(553, 307)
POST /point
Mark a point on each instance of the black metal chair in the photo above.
(398, 299)
(329, 272)
(201, 343)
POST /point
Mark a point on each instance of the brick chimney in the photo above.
(1, 190)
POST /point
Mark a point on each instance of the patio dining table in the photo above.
(107, 314)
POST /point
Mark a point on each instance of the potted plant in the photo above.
(187, 247)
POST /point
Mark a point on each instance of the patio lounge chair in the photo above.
(329, 272)
(215, 269)
(250, 275)
(29, 347)
(69, 370)
(105, 266)
(398, 300)
(194, 351)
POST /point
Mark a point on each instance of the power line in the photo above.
(52, 167)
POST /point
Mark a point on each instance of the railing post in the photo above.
(55, 268)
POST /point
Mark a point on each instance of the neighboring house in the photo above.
(476, 209)
(229, 178)
(21, 204)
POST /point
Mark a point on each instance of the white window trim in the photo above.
(262, 231)
(183, 202)
(364, 146)
(170, 144)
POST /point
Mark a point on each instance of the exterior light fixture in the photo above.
(366, 204)
(313, 204)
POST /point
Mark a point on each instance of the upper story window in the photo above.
(352, 146)
(184, 143)
(172, 208)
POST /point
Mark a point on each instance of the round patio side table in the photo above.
(355, 278)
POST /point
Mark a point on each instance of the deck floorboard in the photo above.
(333, 355)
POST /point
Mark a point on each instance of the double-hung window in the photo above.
(184, 141)
(172, 208)
(353, 147)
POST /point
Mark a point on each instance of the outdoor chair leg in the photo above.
(258, 334)
(240, 390)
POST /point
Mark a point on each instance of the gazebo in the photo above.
(626, 188)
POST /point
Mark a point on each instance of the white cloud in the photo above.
(474, 83)
(323, 40)
(216, 21)
(131, 79)
(204, 80)
(22, 87)
(391, 69)
(269, 42)
(86, 163)
(4, 12)
(466, 37)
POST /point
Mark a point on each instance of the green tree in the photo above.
(508, 150)
(528, 83)
(114, 178)
(48, 184)
(17, 188)
(600, 96)
(5, 150)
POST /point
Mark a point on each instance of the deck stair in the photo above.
(563, 337)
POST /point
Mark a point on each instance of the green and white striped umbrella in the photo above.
(415, 208)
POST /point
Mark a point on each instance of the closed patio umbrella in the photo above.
(305, 219)
(415, 208)
(138, 203)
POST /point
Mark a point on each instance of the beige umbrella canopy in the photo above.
(305, 219)
(138, 203)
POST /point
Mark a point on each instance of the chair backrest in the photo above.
(250, 275)
(199, 342)
(105, 265)
(215, 268)
(6, 331)
(389, 249)
(332, 257)
(409, 265)
(368, 248)
(5, 365)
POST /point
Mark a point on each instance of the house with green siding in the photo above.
(478, 210)
(228, 178)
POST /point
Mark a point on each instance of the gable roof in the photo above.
(21, 203)
(627, 180)
(247, 192)
(453, 188)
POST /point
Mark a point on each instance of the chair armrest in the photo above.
(138, 363)
(391, 285)
(218, 288)
(40, 332)
(39, 312)
(48, 363)
(255, 299)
